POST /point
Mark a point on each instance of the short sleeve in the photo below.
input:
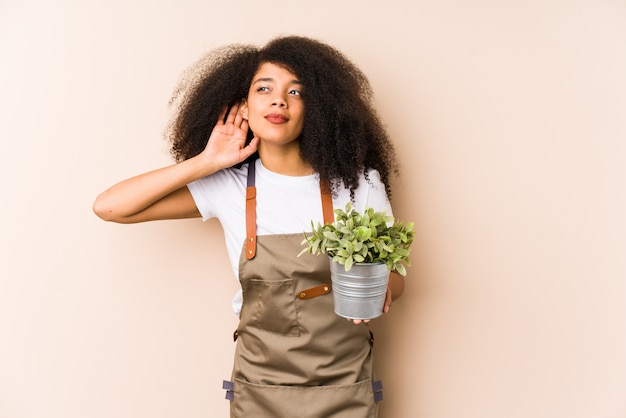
(377, 194)
(203, 191)
(371, 193)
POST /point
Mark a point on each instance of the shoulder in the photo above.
(227, 176)
(371, 192)
(370, 183)
(371, 179)
(225, 186)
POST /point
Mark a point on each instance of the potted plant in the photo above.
(363, 249)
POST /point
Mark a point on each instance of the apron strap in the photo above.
(327, 208)
(327, 202)
(251, 213)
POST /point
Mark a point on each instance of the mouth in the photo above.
(277, 118)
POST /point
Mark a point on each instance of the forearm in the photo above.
(396, 285)
(134, 195)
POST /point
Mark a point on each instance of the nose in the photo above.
(279, 100)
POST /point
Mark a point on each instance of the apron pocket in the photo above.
(271, 306)
(272, 401)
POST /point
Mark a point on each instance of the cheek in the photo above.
(301, 119)
(252, 125)
(252, 117)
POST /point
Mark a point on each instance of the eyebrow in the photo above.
(262, 79)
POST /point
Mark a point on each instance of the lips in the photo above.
(277, 118)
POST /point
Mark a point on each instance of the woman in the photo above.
(291, 133)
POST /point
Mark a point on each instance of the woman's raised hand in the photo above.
(227, 143)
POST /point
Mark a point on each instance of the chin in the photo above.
(277, 139)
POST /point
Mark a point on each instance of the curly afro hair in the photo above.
(342, 135)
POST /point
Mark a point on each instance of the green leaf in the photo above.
(401, 270)
(363, 233)
(376, 222)
(402, 252)
(349, 263)
(331, 236)
(343, 253)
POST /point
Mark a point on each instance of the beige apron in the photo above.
(294, 356)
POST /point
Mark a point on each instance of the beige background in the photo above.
(510, 121)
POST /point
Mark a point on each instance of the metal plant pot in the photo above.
(360, 292)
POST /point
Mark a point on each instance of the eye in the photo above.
(263, 88)
(295, 92)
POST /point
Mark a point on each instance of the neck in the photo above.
(284, 160)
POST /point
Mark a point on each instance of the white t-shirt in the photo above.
(285, 204)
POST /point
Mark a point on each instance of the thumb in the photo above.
(388, 301)
(251, 148)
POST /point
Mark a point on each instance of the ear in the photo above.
(243, 109)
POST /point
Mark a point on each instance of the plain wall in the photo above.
(510, 122)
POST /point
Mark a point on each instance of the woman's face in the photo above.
(274, 107)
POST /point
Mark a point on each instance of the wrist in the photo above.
(202, 166)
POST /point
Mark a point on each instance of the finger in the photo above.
(251, 148)
(358, 321)
(254, 143)
(220, 118)
(239, 119)
(232, 113)
(388, 302)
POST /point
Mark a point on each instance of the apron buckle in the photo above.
(230, 389)
(377, 387)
